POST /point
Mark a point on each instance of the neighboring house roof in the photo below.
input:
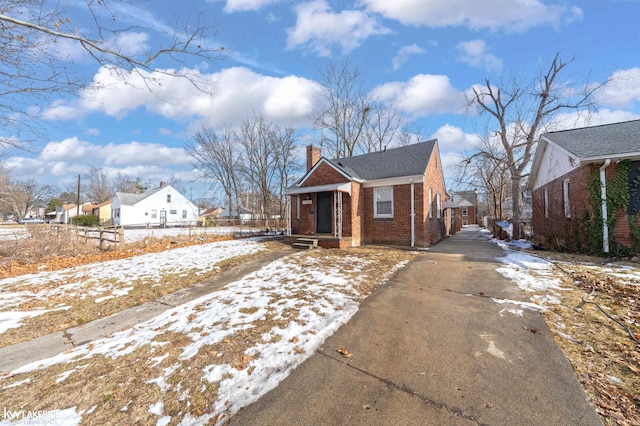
(616, 141)
(619, 140)
(236, 212)
(410, 160)
(213, 211)
(129, 199)
(463, 198)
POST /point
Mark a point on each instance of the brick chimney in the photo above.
(313, 156)
(163, 184)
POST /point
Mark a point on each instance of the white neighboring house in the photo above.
(162, 206)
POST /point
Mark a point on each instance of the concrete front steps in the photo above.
(305, 243)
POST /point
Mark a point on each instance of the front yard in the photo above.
(199, 362)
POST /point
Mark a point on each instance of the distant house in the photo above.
(464, 209)
(161, 206)
(101, 210)
(208, 216)
(389, 197)
(241, 213)
(65, 212)
(567, 180)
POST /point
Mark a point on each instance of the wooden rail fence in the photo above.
(105, 235)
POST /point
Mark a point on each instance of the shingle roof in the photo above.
(464, 198)
(410, 160)
(129, 199)
(599, 141)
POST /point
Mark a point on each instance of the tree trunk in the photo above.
(515, 201)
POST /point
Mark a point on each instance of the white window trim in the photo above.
(375, 203)
(298, 206)
(438, 206)
(545, 194)
(566, 197)
(430, 203)
(465, 211)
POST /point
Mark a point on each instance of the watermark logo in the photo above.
(28, 417)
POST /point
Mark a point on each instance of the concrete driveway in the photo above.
(434, 347)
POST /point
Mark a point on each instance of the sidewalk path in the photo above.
(434, 347)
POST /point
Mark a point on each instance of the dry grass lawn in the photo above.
(604, 357)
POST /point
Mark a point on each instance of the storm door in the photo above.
(324, 200)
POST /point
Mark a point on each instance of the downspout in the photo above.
(413, 216)
(603, 199)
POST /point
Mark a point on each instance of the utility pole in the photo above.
(78, 198)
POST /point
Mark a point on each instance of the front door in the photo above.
(163, 218)
(324, 200)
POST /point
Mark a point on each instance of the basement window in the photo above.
(383, 202)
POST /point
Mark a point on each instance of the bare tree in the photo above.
(99, 187)
(380, 128)
(122, 183)
(520, 112)
(21, 199)
(41, 50)
(409, 134)
(284, 143)
(257, 137)
(217, 159)
(343, 107)
(486, 169)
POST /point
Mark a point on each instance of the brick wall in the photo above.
(557, 226)
(313, 156)
(569, 231)
(434, 229)
(396, 230)
(324, 175)
(357, 213)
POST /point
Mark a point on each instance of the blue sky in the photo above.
(422, 56)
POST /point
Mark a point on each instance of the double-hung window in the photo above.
(383, 202)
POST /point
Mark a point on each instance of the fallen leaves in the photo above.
(345, 353)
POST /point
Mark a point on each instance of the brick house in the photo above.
(388, 197)
(464, 209)
(567, 176)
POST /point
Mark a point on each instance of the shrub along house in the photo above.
(388, 197)
(567, 180)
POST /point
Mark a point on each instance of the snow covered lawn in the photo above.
(83, 293)
(204, 360)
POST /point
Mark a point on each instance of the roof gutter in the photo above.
(603, 199)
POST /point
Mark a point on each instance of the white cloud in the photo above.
(404, 53)
(454, 139)
(622, 90)
(129, 43)
(236, 93)
(66, 159)
(422, 95)
(511, 15)
(572, 120)
(247, 5)
(93, 132)
(319, 28)
(138, 153)
(474, 53)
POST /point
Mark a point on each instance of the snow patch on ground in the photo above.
(107, 280)
(322, 298)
